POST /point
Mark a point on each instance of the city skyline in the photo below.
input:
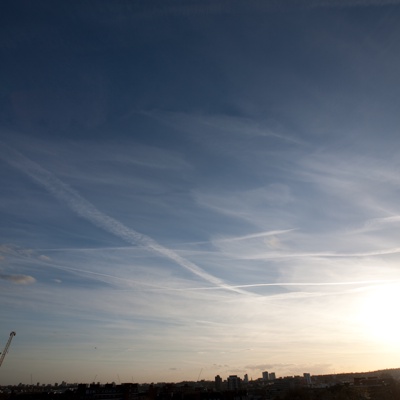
(198, 187)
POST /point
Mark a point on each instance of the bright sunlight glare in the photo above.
(378, 314)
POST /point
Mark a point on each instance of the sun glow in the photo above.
(379, 315)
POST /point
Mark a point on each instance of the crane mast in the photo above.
(3, 354)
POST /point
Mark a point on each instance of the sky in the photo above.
(198, 188)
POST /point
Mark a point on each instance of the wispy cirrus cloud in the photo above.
(248, 205)
(253, 235)
(201, 125)
(375, 224)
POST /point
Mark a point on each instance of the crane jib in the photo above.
(3, 354)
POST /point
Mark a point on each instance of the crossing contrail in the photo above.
(88, 211)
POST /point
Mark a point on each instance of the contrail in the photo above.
(355, 283)
(254, 235)
(88, 211)
(245, 237)
(254, 285)
(372, 253)
(99, 274)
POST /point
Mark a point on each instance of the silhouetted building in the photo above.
(233, 382)
(218, 383)
(272, 376)
(307, 378)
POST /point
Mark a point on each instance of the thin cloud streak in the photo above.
(379, 223)
(395, 250)
(254, 235)
(88, 211)
(344, 283)
(18, 279)
(244, 237)
(317, 283)
(233, 126)
(102, 275)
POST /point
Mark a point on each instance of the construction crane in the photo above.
(3, 354)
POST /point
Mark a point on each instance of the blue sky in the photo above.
(198, 186)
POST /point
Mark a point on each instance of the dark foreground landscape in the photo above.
(376, 385)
